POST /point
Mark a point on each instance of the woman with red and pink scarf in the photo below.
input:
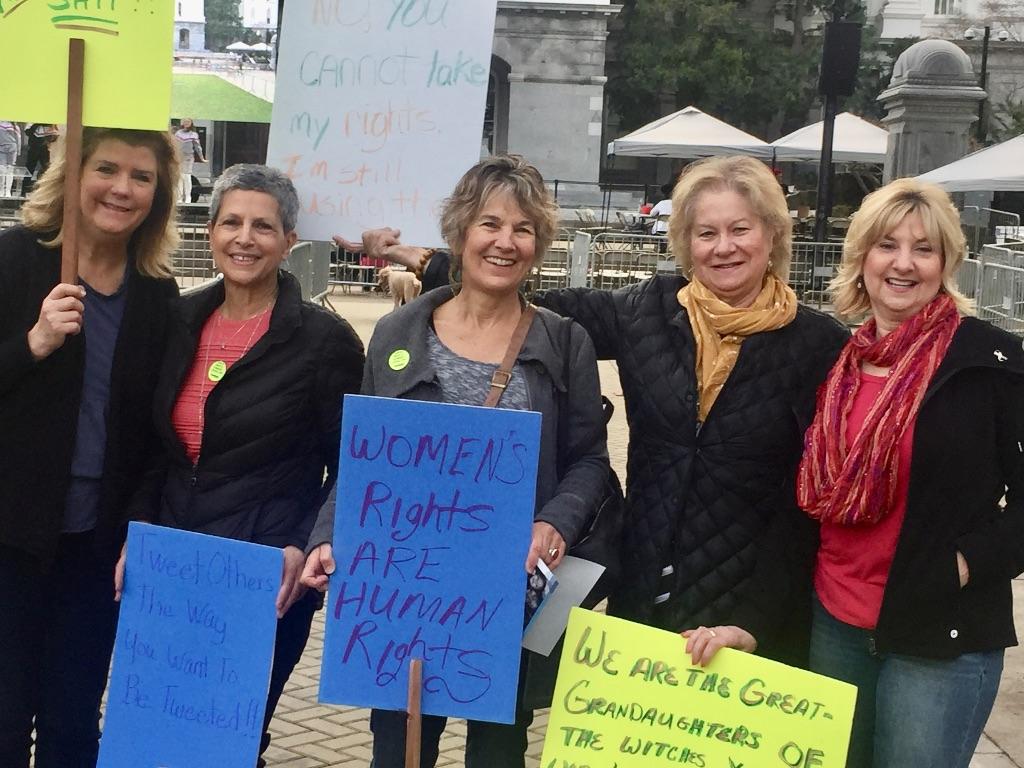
(913, 465)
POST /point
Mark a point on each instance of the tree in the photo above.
(223, 24)
(707, 53)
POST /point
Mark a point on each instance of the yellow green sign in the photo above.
(127, 60)
(628, 697)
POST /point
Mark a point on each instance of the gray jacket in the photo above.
(553, 377)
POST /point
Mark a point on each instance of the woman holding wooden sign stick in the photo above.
(248, 404)
(77, 373)
(449, 346)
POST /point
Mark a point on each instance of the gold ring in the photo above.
(553, 552)
(713, 633)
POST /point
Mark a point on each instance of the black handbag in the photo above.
(601, 540)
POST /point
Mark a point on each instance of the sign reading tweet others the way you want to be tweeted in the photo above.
(378, 110)
(195, 640)
(434, 513)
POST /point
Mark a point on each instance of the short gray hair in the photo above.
(249, 177)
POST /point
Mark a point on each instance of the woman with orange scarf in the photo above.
(913, 467)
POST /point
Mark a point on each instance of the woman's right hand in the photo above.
(59, 317)
(319, 566)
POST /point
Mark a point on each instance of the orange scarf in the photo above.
(719, 329)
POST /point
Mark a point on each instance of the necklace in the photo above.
(216, 370)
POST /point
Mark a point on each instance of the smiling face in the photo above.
(499, 248)
(902, 272)
(729, 246)
(248, 239)
(117, 189)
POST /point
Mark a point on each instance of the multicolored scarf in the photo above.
(719, 329)
(854, 484)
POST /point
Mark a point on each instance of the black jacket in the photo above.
(717, 504)
(39, 402)
(271, 425)
(966, 457)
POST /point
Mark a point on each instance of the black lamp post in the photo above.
(983, 81)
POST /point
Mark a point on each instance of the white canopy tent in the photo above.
(999, 168)
(238, 47)
(689, 133)
(854, 140)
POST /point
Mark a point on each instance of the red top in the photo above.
(854, 560)
(222, 343)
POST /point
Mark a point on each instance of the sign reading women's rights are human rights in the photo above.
(434, 512)
(378, 110)
(127, 72)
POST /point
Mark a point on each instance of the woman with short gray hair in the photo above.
(248, 403)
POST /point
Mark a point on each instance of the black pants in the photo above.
(56, 636)
(488, 745)
(292, 634)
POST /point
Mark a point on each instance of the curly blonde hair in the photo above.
(745, 176)
(156, 238)
(879, 214)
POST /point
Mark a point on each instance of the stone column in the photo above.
(932, 102)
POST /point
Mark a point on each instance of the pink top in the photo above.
(854, 560)
(222, 343)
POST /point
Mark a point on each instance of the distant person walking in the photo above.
(10, 146)
(190, 151)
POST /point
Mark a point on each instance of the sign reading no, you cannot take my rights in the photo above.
(434, 512)
(628, 697)
(195, 639)
(378, 110)
(127, 60)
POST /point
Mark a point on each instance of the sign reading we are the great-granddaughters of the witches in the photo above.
(434, 512)
(628, 697)
(195, 639)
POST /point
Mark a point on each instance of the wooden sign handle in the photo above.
(414, 721)
(72, 162)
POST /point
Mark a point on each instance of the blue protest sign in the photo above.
(434, 512)
(195, 640)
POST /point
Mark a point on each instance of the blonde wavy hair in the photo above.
(500, 173)
(879, 214)
(154, 242)
(745, 176)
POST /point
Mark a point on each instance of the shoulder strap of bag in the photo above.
(503, 375)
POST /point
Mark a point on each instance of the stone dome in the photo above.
(932, 60)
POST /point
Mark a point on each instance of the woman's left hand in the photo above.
(291, 587)
(547, 545)
(703, 643)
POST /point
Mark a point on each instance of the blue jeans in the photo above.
(56, 635)
(911, 711)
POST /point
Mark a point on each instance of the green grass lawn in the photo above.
(208, 97)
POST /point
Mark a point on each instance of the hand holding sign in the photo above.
(626, 695)
(435, 505)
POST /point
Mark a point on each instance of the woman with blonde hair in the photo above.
(718, 370)
(78, 367)
(913, 468)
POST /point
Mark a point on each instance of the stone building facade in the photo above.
(189, 25)
(546, 95)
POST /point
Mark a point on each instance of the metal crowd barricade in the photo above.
(193, 261)
(1000, 298)
(310, 262)
(811, 270)
(553, 271)
(620, 258)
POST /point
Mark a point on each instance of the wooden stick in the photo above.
(414, 721)
(72, 162)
